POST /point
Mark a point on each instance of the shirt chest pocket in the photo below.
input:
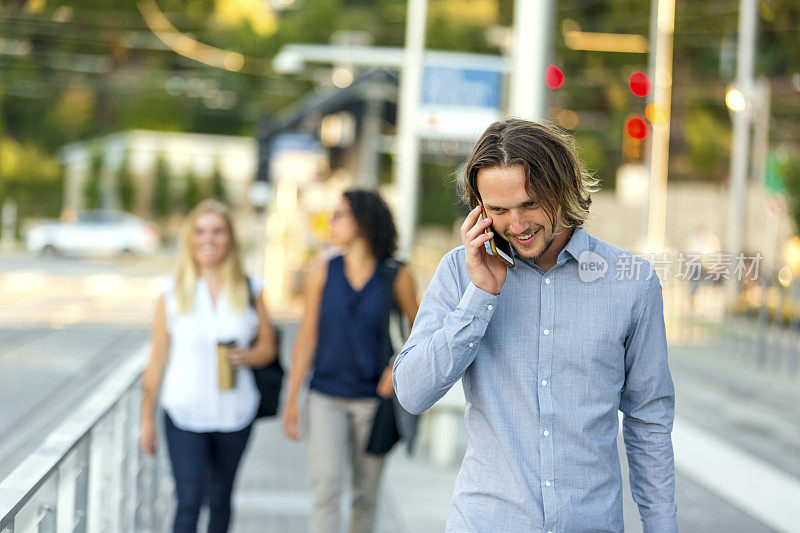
(592, 348)
(510, 348)
(605, 341)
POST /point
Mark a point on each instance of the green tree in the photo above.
(32, 178)
(92, 187)
(162, 189)
(218, 190)
(439, 201)
(126, 187)
(193, 192)
(112, 83)
(707, 141)
(790, 171)
(72, 114)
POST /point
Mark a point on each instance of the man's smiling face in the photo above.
(516, 216)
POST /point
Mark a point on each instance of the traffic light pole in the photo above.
(740, 149)
(532, 27)
(661, 64)
(407, 154)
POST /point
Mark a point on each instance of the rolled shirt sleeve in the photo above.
(648, 406)
(444, 339)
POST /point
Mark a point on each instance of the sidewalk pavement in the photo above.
(723, 394)
(273, 492)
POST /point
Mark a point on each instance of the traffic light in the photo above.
(553, 77)
(636, 128)
(636, 131)
(639, 84)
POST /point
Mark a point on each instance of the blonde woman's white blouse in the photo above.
(190, 392)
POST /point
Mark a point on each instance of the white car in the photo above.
(99, 232)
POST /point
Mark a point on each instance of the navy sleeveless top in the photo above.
(349, 358)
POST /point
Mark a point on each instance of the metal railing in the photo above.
(763, 329)
(89, 475)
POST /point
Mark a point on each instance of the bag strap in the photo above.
(251, 299)
(390, 268)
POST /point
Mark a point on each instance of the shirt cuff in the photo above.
(478, 303)
(667, 524)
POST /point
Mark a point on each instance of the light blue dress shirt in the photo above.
(546, 366)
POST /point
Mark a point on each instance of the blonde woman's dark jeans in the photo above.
(204, 466)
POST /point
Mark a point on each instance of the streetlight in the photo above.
(740, 142)
(663, 29)
(735, 100)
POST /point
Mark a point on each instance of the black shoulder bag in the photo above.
(391, 422)
(268, 378)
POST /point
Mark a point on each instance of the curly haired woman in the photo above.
(342, 336)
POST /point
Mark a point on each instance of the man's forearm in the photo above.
(652, 467)
(435, 358)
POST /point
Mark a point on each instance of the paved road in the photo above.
(64, 323)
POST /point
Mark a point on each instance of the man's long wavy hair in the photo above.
(555, 175)
(233, 280)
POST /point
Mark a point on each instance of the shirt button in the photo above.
(547, 332)
(544, 383)
(489, 307)
(546, 483)
(547, 281)
(471, 344)
(546, 433)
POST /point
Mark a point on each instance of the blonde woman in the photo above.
(207, 422)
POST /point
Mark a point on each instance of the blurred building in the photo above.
(344, 135)
(325, 143)
(618, 217)
(350, 124)
(235, 158)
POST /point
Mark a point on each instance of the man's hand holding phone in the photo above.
(487, 271)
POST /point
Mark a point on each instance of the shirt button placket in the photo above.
(546, 351)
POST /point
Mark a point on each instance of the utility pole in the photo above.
(663, 25)
(740, 148)
(532, 28)
(761, 119)
(407, 154)
(368, 154)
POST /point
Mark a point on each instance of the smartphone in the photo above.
(500, 247)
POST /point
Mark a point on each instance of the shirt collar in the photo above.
(578, 243)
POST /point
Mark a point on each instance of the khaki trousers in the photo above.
(338, 432)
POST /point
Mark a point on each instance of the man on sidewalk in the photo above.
(548, 351)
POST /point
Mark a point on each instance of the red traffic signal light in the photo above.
(639, 84)
(553, 77)
(636, 128)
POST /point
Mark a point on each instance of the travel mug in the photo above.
(227, 374)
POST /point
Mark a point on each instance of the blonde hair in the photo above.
(555, 174)
(233, 277)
